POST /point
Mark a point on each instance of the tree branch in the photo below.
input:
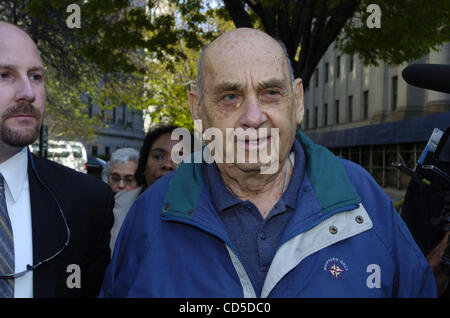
(324, 34)
(305, 31)
(282, 24)
(266, 14)
(238, 14)
(296, 18)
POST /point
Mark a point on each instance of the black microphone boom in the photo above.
(429, 76)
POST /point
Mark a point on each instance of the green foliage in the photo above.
(65, 116)
(410, 29)
(169, 91)
(146, 57)
(106, 59)
(168, 84)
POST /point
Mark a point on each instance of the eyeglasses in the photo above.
(128, 179)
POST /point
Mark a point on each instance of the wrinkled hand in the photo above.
(441, 273)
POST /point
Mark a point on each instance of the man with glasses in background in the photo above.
(54, 222)
(120, 169)
(154, 162)
(119, 174)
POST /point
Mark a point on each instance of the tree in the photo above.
(104, 59)
(145, 55)
(409, 28)
(168, 90)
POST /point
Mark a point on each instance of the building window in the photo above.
(325, 114)
(90, 110)
(124, 114)
(130, 120)
(338, 66)
(326, 72)
(315, 117)
(351, 63)
(394, 93)
(336, 110)
(366, 105)
(114, 113)
(94, 150)
(350, 108)
(316, 78)
(107, 151)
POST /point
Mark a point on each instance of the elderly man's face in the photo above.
(22, 92)
(247, 85)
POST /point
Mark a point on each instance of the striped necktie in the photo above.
(6, 246)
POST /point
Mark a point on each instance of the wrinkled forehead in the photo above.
(251, 52)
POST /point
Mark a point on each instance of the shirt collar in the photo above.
(15, 171)
(223, 199)
(290, 195)
(220, 195)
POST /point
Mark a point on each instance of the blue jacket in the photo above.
(345, 239)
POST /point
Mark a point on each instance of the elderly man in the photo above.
(54, 221)
(316, 227)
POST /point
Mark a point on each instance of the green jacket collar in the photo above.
(326, 172)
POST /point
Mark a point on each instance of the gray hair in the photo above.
(123, 155)
(199, 82)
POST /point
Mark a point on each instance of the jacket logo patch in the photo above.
(336, 268)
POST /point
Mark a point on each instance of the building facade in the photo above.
(124, 127)
(371, 116)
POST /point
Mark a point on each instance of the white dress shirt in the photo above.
(17, 194)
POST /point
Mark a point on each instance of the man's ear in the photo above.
(194, 102)
(298, 92)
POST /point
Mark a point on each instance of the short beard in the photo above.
(15, 138)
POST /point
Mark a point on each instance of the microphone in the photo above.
(429, 76)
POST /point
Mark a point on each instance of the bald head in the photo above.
(10, 30)
(22, 90)
(242, 36)
(247, 87)
(12, 34)
(239, 44)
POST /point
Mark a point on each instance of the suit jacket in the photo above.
(87, 204)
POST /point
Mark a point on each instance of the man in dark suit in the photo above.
(54, 222)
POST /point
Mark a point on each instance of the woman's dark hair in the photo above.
(149, 140)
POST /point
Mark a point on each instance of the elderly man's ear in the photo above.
(298, 91)
(194, 101)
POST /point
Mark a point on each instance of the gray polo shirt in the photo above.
(254, 238)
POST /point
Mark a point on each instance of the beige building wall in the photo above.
(377, 81)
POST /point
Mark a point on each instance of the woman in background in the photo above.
(154, 162)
